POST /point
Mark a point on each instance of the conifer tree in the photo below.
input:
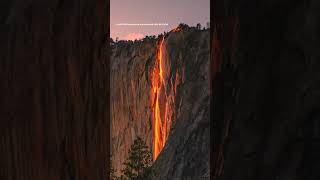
(137, 165)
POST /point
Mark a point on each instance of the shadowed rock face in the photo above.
(269, 89)
(54, 90)
(186, 153)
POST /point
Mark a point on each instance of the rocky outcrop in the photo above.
(265, 77)
(54, 90)
(186, 75)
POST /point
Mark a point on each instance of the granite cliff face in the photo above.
(183, 101)
(186, 153)
(131, 112)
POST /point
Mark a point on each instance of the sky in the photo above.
(144, 15)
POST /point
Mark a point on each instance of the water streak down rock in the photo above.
(163, 95)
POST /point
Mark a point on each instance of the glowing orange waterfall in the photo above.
(157, 85)
(162, 99)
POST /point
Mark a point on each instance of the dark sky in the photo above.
(171, 12)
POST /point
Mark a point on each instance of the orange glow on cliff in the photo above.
(157, 85)
(164, 85)
(160, 57)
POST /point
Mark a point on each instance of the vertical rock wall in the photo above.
(131, 112)
(186, 153)
(186, 95)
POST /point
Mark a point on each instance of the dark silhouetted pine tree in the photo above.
(137, 165)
